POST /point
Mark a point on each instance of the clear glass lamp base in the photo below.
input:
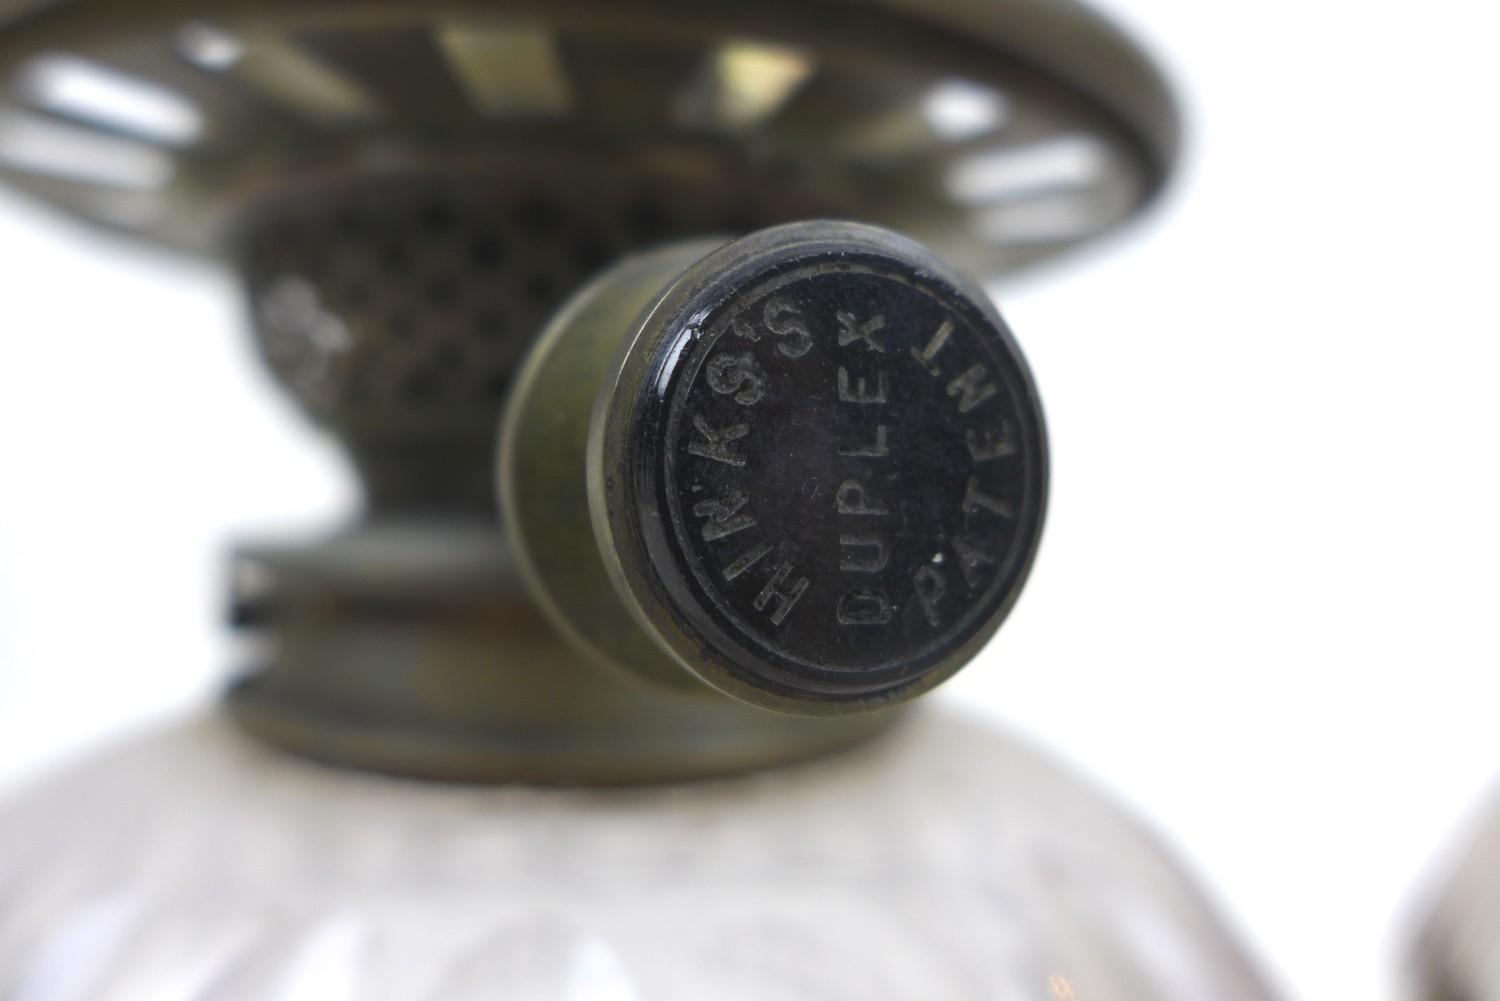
(1458, 952)
(943, 862)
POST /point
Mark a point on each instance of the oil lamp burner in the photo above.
(689, 455)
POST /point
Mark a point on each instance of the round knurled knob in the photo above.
(806, 467)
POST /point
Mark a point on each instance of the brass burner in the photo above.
(412, 191)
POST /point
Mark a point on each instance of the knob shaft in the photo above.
(806, 467)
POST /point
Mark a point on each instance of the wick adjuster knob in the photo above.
(807, 467)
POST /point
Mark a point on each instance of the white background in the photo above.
(1265, 612)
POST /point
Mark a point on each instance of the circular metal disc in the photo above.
(821, 468)
(996, 131)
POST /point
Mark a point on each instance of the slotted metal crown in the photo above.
(996, 131)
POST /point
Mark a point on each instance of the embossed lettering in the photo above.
(737, 374)
(745, 562)
(782, 317)
(878, 449)
(975, 498)
(860, 391)
(724, 518)
(716, 443)
(785, 599)
(971, 557)
(851, 330)
(927, 355)
(852, 498)
(930, 587)
(864, 607)
(971, 389)
(990, 444)
(870, 554)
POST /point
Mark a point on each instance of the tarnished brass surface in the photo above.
(542, 474)
(411, 189)
(829, 97)
(395, 309)
(742, 511)
(415, 649)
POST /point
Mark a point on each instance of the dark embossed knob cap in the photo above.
(815, 472)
